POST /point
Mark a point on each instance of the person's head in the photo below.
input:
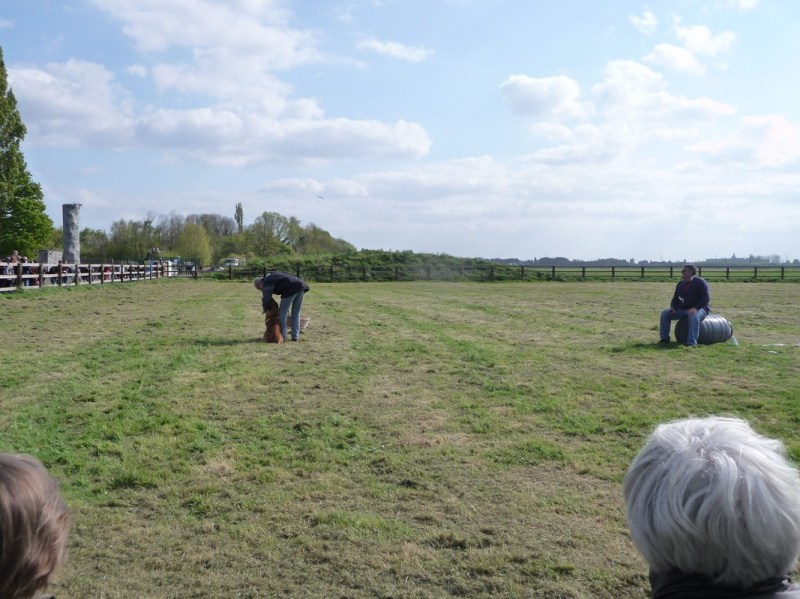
(688, 271)
(34, 523)
(259, 283)
(710, 496)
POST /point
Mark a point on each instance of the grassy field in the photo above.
(422, 440)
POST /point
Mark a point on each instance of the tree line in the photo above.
(206, 238)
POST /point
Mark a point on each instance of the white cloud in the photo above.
(761, 142)
(675, 58)
(633, 92)
(543, 97)
(73, 103)
(698, 39)
(646, 24)
(395, 50)
(744, 4)
(138, 70)
(6, 24)
(261, 25)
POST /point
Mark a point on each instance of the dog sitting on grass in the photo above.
(272, 333)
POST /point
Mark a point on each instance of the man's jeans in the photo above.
(693, 322)
(296, 302)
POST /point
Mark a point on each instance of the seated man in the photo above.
(690, 300)
(714, 508)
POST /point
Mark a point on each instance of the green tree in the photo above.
(238, 216)
(194, 244)
(94, 245)
(267, 236)
(168, 230)
(315, 240)
(24, 225)
(130, 240)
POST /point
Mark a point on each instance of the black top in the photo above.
(283, 284)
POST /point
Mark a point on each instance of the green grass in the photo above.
(423, 440)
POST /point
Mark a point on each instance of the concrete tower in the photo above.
(72, 233)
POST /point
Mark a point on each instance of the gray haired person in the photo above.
(714, 508)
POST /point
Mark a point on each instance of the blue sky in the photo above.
(491, 128)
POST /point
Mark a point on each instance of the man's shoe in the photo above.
(687, 345)
(664, 341)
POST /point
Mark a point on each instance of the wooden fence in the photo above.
(33, 275)
(30, 275)
(332, 274)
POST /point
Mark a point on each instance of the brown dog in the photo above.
(272, 334)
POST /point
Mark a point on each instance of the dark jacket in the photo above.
(283, 284)
(691, 294)
(676, 585)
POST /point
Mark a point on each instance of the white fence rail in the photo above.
(28, 275)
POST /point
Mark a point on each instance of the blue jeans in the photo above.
(693, 323)
(296, 302)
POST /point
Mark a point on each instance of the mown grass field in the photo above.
(422, 440)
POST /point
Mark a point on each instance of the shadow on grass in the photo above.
(226, 342)
(646, 346)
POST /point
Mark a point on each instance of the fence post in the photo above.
(331, 274)
(553, 272)
(755, 272)
(363, 273)
(613, 273)
(782, 269)
(583, 272)
(18, 272)
(670, 271)
(643, 272)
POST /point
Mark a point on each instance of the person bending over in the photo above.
(34, 523)
(291, 290)
(691, 300)
(714, 508)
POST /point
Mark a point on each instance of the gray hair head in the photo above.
(257, 283)
(711, 496)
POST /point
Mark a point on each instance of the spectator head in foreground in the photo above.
(714, 508)
(34, 522)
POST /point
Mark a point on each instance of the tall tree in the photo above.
(129, 240)
(24, 225)
(238, 216)
(193, 244)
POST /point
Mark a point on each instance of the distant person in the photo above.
(291, 290)
(34, 523)
(714, 508)
(691, 301)
(11, 263)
